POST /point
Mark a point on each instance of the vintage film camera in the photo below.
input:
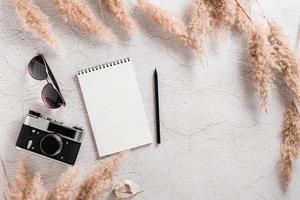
(50, 138)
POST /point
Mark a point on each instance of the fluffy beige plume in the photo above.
(22, 182)
(222, 12)
(260, 61)
(298, 38)
(80, 14)
(291, 133)
(199, 23)
(64, 190)
(285, 60)
(167, 21)
(100, 180)
(35, 21)
(36, 189)
(242, 22)
(120, 11)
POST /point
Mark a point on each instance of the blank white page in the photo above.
(114, 107)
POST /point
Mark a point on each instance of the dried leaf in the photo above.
(126, 189)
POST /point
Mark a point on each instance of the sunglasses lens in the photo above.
(37, 68)
(50, 97)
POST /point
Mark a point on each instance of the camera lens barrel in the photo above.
(51, 145)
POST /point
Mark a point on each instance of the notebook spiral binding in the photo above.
(103, 66)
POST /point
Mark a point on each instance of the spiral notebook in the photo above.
(114, 106)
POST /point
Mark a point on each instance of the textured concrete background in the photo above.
(216, 144)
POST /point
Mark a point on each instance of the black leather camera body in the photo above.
(50, 138)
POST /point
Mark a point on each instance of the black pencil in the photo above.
(157, 107)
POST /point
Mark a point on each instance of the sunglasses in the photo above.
(39, 70)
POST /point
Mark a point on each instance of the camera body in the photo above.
(50, 138)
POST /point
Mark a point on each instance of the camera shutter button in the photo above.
(29, 144)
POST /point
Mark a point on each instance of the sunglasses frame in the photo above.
(50, 80)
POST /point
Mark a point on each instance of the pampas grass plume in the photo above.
(99, 180)
(242, 23)
(298, 38)
(36, 189)
(120, 11)
(222, 12)
(80, 14)
(64, 190)
(291, 133)
(167, 21)
(36, 21)
(199, 23)
(285, 60)
(259, 58)
(22, 182)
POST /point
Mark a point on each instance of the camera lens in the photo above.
(51, 145)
